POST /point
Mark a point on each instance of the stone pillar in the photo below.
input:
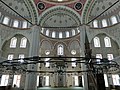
(31, 77)
(83, 66)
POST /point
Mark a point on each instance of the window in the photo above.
(75, 80)
(73, 63)
(95, 23)
(6, 20)
(106, 80)
(104, 23)
(73, 32)
(47, 32)
(47, 64)
(114, 20)
(98, 56)
(96, 42)
(67, 34)
(21, 56)
(10, 56)
(38, 80)
(46, 79)
(107, 42)
(60, 50)
(42, 30)
(60, 35)
(23, 42)
(53, 34)
(116, 79)
(4, 80)
(16, 80)
(24, 24)
(13, 42)
(16, 23)
(110, 56)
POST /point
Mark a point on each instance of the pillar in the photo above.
(31, 77)
(83, 66)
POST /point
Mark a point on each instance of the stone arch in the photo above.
(12, 35)
(59, 10)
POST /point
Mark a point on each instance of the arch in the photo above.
(74, 45)
(105, 33)
(12, 35)
(46, 45)
(56, 10)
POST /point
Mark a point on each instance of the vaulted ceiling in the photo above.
(58, 13)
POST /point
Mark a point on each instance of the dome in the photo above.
(63, 14)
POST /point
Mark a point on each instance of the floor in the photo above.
(71, 88)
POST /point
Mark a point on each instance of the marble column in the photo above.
(83, 66)
(31, 77)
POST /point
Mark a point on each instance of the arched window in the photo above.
(13, 42)
(24, 24)
(104, 23)
(23, 42)
(47, 32)
(73, 32)
(53, 34)
(107, 42)
(114, 20)
(95, 23)
(60, 35)
(6, 20)
(16, 23)
(60, 50)
(67, 34)
(96, 42)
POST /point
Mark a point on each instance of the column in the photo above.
(31, 77)
(83, 66)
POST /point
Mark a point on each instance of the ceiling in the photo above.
(58, 13)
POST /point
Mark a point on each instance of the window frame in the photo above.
(96, 41)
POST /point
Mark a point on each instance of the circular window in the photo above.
(41, 6)
(73, 52)
(47, 52)
(78, 6)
